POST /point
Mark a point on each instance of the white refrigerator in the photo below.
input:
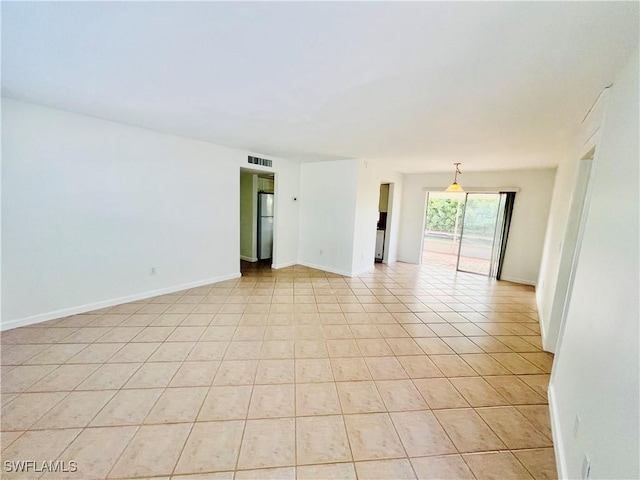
(379, 245)
(265, 225)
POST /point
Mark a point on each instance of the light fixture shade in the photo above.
(454, 188)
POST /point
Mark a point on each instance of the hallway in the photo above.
(406, 372)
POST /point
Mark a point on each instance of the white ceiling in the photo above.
(417, 85)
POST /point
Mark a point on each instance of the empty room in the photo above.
(320, 240)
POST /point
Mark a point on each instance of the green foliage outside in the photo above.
(480, 219)
(441, 215)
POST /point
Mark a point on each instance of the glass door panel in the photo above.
(442, 228)
(497, 239)
(478, 233)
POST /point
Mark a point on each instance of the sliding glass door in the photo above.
(481, 235)
(467, 231)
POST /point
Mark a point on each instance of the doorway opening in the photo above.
(382, 226)
(257, 214)
(467, 231)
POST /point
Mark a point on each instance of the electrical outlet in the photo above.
(576, 426)
(152, 271)
(586, 467)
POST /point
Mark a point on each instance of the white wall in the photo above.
(528, 225)
(89, 206)
(339, 213)
(286, 214)
(556, 225)
(370, 176)
(327, 213)
(596, 373)
(248, 214)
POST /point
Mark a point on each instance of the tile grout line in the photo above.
(364, 309)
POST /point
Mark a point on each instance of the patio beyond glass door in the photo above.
(481, 233)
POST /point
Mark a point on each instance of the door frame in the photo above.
(386, 249)
(263, 173)
(570, 253)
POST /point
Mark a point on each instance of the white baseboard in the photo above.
(412, 261)
(543, 331)
(558, 446)
(283, 265)
(368, 269)
(325, 269)
(65, 312)
(248, 259)
(523, 281)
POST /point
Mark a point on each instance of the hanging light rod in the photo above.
(454, 187)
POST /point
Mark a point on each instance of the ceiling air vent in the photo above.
(260, 161)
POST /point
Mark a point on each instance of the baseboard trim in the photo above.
(248, 259)
(519, 280)
(368, 269)
(283, 265)
(558, 446)
(543, 330)
(325, 269)
(65, 312)
(411, 261)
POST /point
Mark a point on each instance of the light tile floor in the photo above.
(407, 372)
(467, 264)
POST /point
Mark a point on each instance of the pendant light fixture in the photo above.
(454, 187)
